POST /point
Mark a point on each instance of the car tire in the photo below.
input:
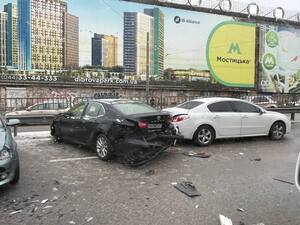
(17, 174)
(103, 147)
(204, 135)
(57, 139)
(277, 131)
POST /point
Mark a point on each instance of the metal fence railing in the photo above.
(160, 102)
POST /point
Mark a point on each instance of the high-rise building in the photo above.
(104, 50)
(12, 50)
(138, 43)
(158, 40)
(24, 34)
(41, 34)
(3, 38)
(71, 55)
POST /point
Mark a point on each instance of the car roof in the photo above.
(113, 101)
(215, 99)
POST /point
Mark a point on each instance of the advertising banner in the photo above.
(231, 53)
(279, 59)
(117, 40)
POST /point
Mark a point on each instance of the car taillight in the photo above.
(142, 125)
(179, 118)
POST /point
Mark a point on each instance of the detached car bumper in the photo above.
(138, 151)
(8, 170)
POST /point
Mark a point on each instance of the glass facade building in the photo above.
(104, 50)
(3, 38)
(71, 47)
(138, 44)
(158, 40)
(12, 50)
(24, 34)
(41, 34)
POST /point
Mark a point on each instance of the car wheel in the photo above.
(53, 133)
(277, 131)
(204, 135)
(17, 174)
(103, 148)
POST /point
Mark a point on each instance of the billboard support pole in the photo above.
(147, 70)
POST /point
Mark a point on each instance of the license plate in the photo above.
(155, 126)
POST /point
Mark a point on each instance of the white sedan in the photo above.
(206, 119)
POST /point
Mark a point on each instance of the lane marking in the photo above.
(73, 159)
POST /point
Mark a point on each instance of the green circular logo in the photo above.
(269, 61)
(272, 39)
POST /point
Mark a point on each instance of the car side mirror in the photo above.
(297, 173)
(13, 122)
(28, 109)
(261, 111)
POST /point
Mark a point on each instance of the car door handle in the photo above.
(244, 116)
(217, 117)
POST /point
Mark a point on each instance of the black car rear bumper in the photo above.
(137, 151)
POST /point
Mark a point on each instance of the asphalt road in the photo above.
(81, 190)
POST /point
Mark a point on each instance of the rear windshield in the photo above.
(133, 108)
(189, 105)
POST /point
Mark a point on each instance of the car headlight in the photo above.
(5, 154)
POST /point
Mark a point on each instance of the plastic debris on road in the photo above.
(224, 220)
(44, 201)
(149, 172)
(256, 159)
(187, 188)
(283, 181)
(15, 212)
(201, 154)
(89, 219)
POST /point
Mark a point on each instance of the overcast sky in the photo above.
(287, 4)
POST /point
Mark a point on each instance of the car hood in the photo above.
(2, 138)
(273, 113)
(176, 111)
(277, 114)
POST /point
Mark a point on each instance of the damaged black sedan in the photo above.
(131, 130)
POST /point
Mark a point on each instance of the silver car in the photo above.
(263, 101)
(9, 159)
(40, 112)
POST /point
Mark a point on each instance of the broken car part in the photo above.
(187, 188)
(197, 154)
(224, 220)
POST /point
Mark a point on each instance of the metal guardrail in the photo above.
(292, 111)
(284, 103)
(158, 101)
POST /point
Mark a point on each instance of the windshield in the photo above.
(134, 108)
(189, 105)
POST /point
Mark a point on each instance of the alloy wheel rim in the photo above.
(102, 147)
(204, 136)
(278, 131)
